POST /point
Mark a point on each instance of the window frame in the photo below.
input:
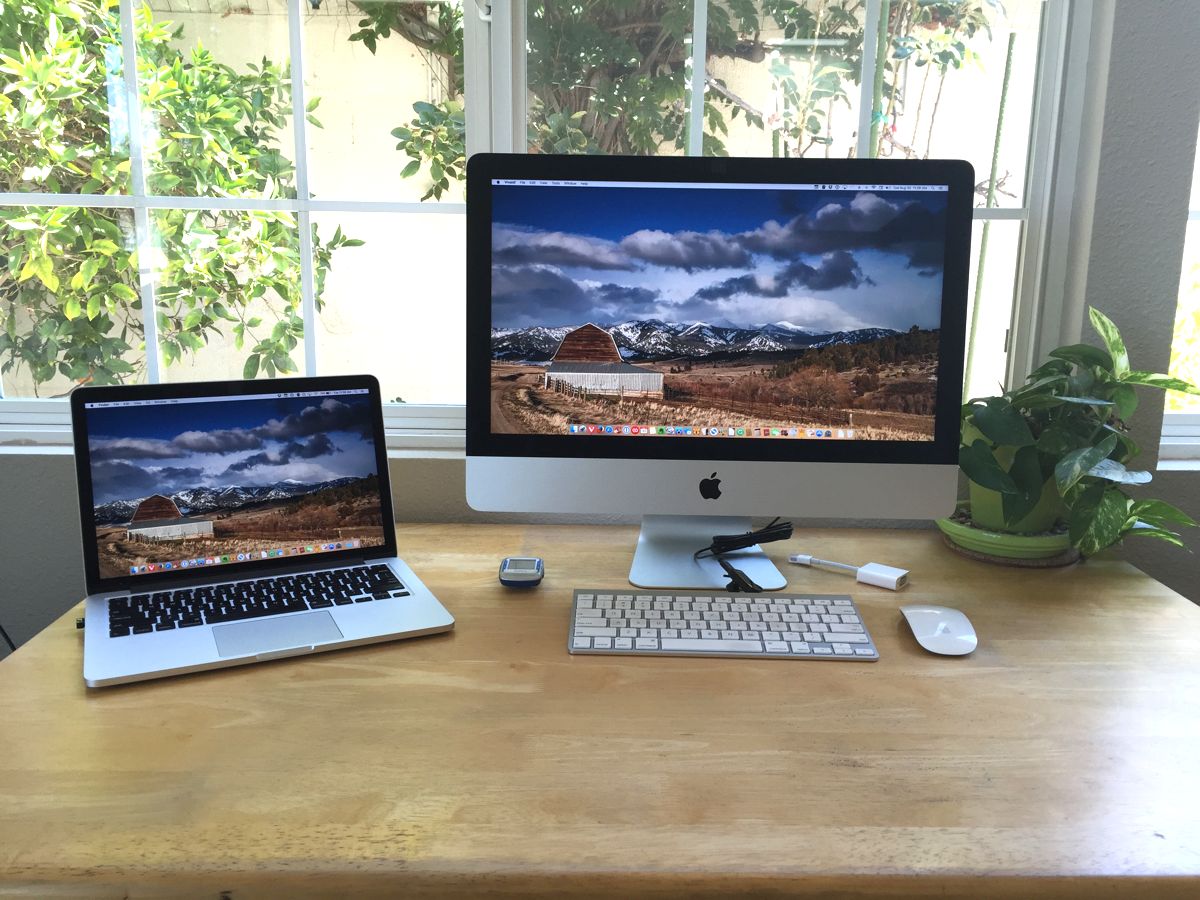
(494, 42)
(1179, 446)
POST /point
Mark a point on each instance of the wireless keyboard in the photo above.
(683, 623)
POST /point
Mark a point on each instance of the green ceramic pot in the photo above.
(1004, 544)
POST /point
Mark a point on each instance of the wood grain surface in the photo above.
(1060, 759)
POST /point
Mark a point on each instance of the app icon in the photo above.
(184, 564)
(741, 432)
(572, 428)
(168, 565)
(262, 554)
(309, 549)
(661, 430)
(608, 429)
(841, 433)
(133, 570)
(152, 567)
(141, 570)
(591, 429)
(241, 556)
(625, 429)
(687, 430)
(828, 432)
(850, 433)
(774, 432)
(732, 432)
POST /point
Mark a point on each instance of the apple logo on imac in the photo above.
(710, 488)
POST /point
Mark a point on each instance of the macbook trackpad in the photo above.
(275, 633)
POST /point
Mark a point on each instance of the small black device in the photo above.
(521, 571)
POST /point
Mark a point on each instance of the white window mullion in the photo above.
(137, 184)
(866, 81)
(699, 74)
(308, 304)
(507, 32)
(477, 78)
(1063, 159)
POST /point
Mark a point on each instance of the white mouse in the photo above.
(940, 629)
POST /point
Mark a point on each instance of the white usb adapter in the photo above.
(875, 574)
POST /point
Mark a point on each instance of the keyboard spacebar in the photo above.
(711, 646)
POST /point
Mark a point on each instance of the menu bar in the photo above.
(758, 431)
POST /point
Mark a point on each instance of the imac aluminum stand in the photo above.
(665, 548)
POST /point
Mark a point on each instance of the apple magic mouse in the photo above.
(940, 629)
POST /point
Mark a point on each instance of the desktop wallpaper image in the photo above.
(189, 481)
(751, 308)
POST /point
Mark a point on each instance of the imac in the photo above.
(698, 341)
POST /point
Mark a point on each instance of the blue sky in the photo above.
(163, 448)
(826, 260)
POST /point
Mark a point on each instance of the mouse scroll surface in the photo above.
(941, 630)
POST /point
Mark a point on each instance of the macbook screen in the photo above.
(179, 484)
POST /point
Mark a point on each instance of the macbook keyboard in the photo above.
(250, 599)
(679, 623)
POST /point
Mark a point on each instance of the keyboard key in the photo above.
(799, 647)
(848, 638)
(776, 647)
(863, 651)
(846, 629)
(582, 643)
(595, 632)
(602, 643)
(622, 643)
(644, 643)
(680, 644)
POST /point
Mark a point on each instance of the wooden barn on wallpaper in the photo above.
(157, 518)
(587, 358)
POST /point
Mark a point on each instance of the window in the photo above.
(248, 188)
(1181, 418)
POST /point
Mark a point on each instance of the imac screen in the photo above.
(739, 311)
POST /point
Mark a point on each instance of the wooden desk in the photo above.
(1062, 753)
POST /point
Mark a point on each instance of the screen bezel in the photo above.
(484, 167)
(231, 571)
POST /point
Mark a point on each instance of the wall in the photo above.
(1133, 260)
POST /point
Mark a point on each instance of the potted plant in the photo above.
(1047, 462)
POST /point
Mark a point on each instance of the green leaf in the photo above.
(123, 292)
(1002, 424)
(1112, 340)
(1158, 511)
(1166, 382)
(1111, 470)
(411, 169)
(1056, 441)
(1125, 400)
(1077, 463)
(1097, 518)
(250, 370)
(1142, 530)
(1026, 473)
(1085, 401)
(1084, 355)
(979, 465)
